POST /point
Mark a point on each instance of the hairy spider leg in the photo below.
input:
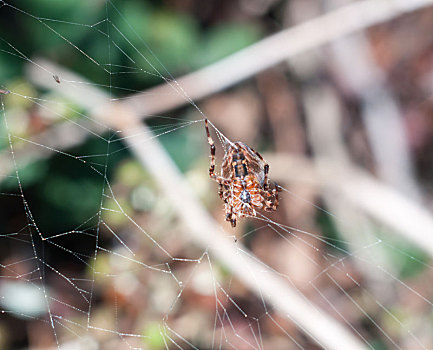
(272, 204)
(230, 216)
(223, 183)
(220, 180)
(265, 170)
(221, 192)
(212, 151)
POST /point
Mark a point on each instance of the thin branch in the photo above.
(245, 63)
(383, 122)
(382, 202)
(270, 51)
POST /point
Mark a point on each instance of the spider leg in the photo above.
(265, 170)
(265, 180)
(223, 188)
(224, 192)
(212, 151)
(221, 191)
(276, 200)
(223, 183)
(272, 201)
(230, 216)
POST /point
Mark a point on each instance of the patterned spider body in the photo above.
(246, 196)
(244, 184)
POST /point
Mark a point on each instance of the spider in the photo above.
(243, 183)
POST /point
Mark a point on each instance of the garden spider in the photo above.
(243, 183)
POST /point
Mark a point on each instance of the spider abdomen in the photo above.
(246, 195)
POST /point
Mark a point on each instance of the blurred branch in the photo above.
(380, 201)
(331, 159)
(336, 170)
(380, 111)
(288, 168)
(200, 225)
(246, 63)
(269, 52)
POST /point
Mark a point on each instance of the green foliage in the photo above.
(183, 146)
(68, 195)
(30, 174)
(64, 192)
(75, 197)
(142, 34)
(112, 215)
(8, 66)
(173, 39)
(131, 173)
(407, 257)
(154, 340)
(68, 15)
(330, 231)
(71, 10)
(225, 39)
(378, 344)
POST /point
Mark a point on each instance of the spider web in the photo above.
(132, 274)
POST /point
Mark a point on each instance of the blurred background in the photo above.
(346, 128)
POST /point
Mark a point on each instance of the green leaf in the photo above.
(154, 339)
(29, 174)
(226, 39)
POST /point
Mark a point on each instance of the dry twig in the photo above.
(270, 51)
